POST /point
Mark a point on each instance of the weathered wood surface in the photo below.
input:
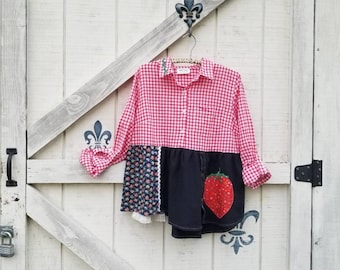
(45, 83)
(275, 228)
(13, 125)
(90, 41)
(108, 80)
(302, 133)
(326, 201)
(69, 232)
(277, 80)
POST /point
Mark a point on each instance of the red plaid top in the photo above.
(201, 107)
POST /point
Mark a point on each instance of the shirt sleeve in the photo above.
(254, 172)
(97, 160)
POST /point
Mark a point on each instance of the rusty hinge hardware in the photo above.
(311, 173)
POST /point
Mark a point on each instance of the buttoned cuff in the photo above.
(96, 160)
(255, 174)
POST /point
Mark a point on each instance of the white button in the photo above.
(181, 131)
(184, 111)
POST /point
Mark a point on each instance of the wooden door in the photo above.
(326, 213)
(73, 220)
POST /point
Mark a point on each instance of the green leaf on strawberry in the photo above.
(218, 193)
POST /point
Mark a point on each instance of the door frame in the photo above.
(13, 126)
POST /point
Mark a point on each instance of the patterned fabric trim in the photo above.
(141, 187)
(159, 178)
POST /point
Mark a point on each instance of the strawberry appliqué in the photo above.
(218, 193)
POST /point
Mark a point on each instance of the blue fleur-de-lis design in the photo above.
(239, 237)
(97, 138)
(189, 8)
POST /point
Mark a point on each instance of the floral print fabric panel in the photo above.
(141, 187)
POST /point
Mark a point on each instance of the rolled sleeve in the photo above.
(96, 160)
(255, 174)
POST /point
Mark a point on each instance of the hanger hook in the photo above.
(193, 47)
(191, 35)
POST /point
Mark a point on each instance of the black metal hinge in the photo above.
(311, 173)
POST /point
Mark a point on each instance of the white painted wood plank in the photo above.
(326, 212)
(13, 125)
(104, 83)
(73, 235)
(71, 171)
(277, 80)
(275, 228)
(302, 117)
(45, 67)
(44, 57)
(45, 64)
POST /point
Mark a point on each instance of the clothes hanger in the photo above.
(192, 12)
(189, 60)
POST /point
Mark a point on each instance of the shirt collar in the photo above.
(167, 68)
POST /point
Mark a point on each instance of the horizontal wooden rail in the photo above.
(108, 80)
(71, 171)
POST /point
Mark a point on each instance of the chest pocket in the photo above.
(202, 118)
(205, 113)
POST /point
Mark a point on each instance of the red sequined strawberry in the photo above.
(218, 193)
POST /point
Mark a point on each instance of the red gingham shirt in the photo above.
(201, 107)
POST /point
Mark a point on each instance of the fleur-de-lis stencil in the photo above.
(239, 237)
(96, 139)
(189, 8)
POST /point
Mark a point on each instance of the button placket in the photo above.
(183, 111)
